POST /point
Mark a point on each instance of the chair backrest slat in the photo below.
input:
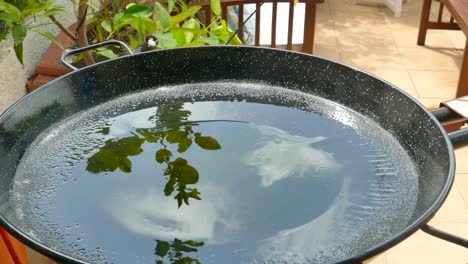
(441, 12)
(290, 24)
(240, 22)
(224, 12)
(274, 16)
(257, 22)
(309, 22)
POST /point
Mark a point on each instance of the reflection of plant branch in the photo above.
(173, 251)
(179, 173)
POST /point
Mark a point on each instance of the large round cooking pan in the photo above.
(221, 155)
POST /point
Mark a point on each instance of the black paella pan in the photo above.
(221, 155)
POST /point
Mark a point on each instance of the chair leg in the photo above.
(309, 27)
(398, 6)
(462, 89)
(423, 25)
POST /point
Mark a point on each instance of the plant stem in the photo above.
(81, 30)
(64, 29)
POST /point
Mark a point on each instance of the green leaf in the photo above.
(180, 246)
(49, 36)
(116, 4)
(107, 25)
(104, 130)
(55, 10)
(138, 10)
(162, 15)
(35, 8)
(114, 154)
(184, 144)
(175, 136)
(11, 9)
(92, 6)
(179, 36)
(117, 17)
(188, 174)
(170, 5)
(169, 188)
(78, 58)
(207, 143)
(184, 15)
(108, 53)
(163, 155)
(125, 165)
(2, 35)
(162, 248)
(190, 24)
(8, 17)
(195, 194)
(133, 44)
(179, 198)
(19, 33)
(209, 40)
(194, 243)
(19, 52)
(166, 41)
(216, 7)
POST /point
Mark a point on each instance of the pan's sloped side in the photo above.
(416, 130)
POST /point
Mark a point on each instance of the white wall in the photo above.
(13, 76)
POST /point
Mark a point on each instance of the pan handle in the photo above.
(446, 116)
(444, 235)
(69, 52)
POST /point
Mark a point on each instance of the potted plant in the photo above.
(171, 23)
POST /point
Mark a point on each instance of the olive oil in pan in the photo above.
(252, 180)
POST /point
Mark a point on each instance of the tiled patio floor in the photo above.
(370, 38)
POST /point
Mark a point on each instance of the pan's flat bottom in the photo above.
(215, 173)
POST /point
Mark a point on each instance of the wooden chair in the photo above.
(458, 21)
(309, 21)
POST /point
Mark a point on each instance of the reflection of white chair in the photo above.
(394, 5)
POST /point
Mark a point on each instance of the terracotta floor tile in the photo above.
(432, 59)
(379, 259)
(435, 84)
(327, 52)
(461, 156)
(461, 181)
(371, 58)
(397, 77)
(454, 208)
(343, 5)
(422, 248)
(325, 35)
(431, 102)
(359, 22)
(457, 37)
(408, 39)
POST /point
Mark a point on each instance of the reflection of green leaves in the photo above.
(163, 155)
(175, 135)
(104, 131)
(181, 174)
(207, 143)
(114, 154)
(171, 114)
(174, 251)
(183, 171)
(162, 247)
(174, 129)
(184, 144)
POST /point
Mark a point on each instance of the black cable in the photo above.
(243, 23)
